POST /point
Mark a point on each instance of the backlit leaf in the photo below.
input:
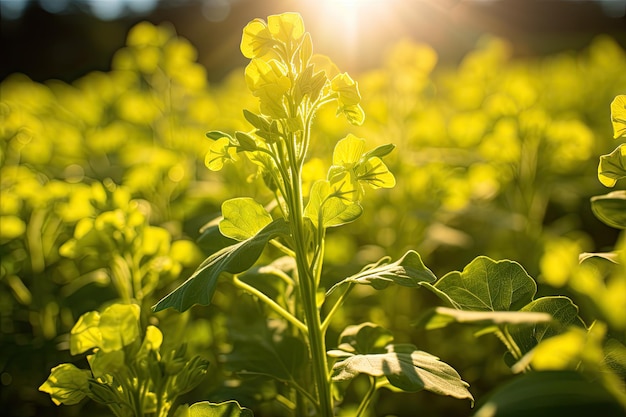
(618, 116)
(246, 142)
(443, 316)
(103, 363)
(611, 208)
(200, 287)
(563, 312)
(364, 338)
(348, 150)
(216, 134)
(119, 326)
(380, 151)
(354, 114)
(85, 334)
(488, 285)
(243, 218)
(207, 409)
(221, 151)
(67, 384)
(612, 167)
(406, 368)
(375, 173)
(408, 271)
(329, 210)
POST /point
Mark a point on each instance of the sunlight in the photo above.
(352, 27)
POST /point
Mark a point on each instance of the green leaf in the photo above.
(246, 142)
(408, 271)
(265, 277)
(119, 326)
(611, 208)
(380, 151)
(488, 285)
(103, 363)
(207, 409)
(67, 384)
(191, 375)
(200, 287)
(612, 167)
(85, 334)
(563, 312)
(255, 120)
(549, 394)
(116, 327)
(330, 210)
(618, 116)
(406, 368)
(216, 134)
(440, 317)
(375, 173)
(243, 218)
(211, 240)
(281, 360)
(364, 338)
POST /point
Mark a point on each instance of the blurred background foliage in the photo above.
(103, 186)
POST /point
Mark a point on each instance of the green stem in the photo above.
(369, 395)
(510, 344)
(308, 290)
(336, 306)
(271, 303)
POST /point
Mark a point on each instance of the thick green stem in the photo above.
(308, 292)
(317, 344)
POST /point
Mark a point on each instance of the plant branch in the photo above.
(271, 303)
(336, 306)
(367, 399)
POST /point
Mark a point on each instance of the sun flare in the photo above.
(352, 29)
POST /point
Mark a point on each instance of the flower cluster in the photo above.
(291, 84)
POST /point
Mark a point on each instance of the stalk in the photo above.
(308, 292)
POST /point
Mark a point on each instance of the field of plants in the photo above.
(413, 240)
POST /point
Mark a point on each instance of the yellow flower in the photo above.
(268, 80)
(353, 167)
(287, 28)
(259, 38)
(220, 152)
(256, 40)
(347, 90)
(348, 98)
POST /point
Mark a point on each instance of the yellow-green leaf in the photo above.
(106, 363)
(119, 326)
(348, 150)
(220, 152)
(375, 173)
(618, 116)
(67, 384)
(347, 90)
(354, 114)
(85, 334)
(326, 210)
(243, 218)
(612, 167)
